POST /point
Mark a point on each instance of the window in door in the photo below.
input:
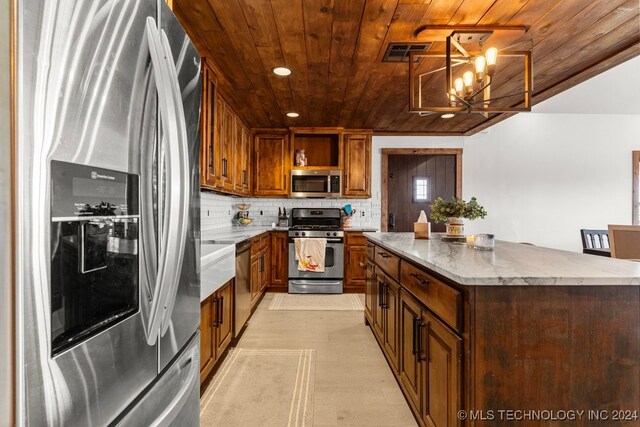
(420, 189)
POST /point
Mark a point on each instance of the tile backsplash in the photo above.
(218, 210)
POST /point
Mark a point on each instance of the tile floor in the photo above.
(353, 385)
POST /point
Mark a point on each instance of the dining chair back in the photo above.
(594, 239)
(625, 241)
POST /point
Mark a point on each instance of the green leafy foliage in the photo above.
(457, 208)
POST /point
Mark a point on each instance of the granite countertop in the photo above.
(510, 263)
(235, 234)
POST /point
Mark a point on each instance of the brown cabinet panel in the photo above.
(208, 176)
(443, 374)
(388, 262)
(439, 297)
(265, 270)
(371, 292)
(410, 368)
(355, 238)
(207, 353)
(255, 280)
(227, 147)
(391, 304)
(378, 305)
(355, 267)
(357, 165)
(371, 251)
(272, 164)
(279, 259)
(223, 323)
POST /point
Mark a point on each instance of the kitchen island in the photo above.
(505, 337)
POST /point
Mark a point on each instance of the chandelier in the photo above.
(470, 70)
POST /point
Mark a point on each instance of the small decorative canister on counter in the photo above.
(455, 226)
(484, 242)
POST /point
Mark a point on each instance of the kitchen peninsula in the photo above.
(519, 328)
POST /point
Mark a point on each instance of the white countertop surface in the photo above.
(235, 234)
(510, 263)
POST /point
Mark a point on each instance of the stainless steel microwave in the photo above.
(316, 183)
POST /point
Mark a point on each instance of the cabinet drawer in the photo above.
(439, 297)
(255, 246)
(371, 253)
(388, 262)
(355, 238)
(264, 240)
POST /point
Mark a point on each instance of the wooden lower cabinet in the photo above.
(390, 325)
(260, 270)
(423, 352)
(442, 373)
(370, 292)
(279, 260)
(256, 266)
(216, 327)
(410, 368)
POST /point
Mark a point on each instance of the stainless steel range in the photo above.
(317, 223)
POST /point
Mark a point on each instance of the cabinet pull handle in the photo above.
(383, 255)
(220, 311)
(417, 277)
(216, 317)
(346, 182)
(362, 265)
(262, 264)
(285, 182)
(414, 348)
(423, 357)
(380, 295)
(392, 221)
(211, 156)
(244, 177)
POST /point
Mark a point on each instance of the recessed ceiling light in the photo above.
(293, 114)
(447, 115)
(281, 71)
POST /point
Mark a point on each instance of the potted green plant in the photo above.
(454, 211)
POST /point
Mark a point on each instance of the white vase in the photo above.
(455, 227)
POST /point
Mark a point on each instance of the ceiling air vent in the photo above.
(399, 52)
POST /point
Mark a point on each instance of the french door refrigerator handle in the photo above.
(170, 239)
(180, 181)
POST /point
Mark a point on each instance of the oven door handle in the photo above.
(334, 240)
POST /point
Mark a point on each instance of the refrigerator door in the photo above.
(182, 315)
(174, 399)
(87, 95)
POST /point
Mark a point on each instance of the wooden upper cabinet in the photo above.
(208, 178)
(271, 164)
(242, 159)
(227, 145)
(357, 165)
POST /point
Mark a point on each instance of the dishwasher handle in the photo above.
(243, 246)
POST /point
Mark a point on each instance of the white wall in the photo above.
(543, 177)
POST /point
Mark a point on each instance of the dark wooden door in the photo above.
(414, 183)
(224, 318)
(443, 373)
(410, 368)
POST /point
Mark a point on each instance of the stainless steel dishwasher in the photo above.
(243, 286)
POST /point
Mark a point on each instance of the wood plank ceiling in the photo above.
(335, 49)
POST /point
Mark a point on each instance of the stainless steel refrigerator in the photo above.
(107, 215)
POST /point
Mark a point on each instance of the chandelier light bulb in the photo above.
(480, 64)
(467, 78)
(459, 85)
(492, 56)
(452, 98)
